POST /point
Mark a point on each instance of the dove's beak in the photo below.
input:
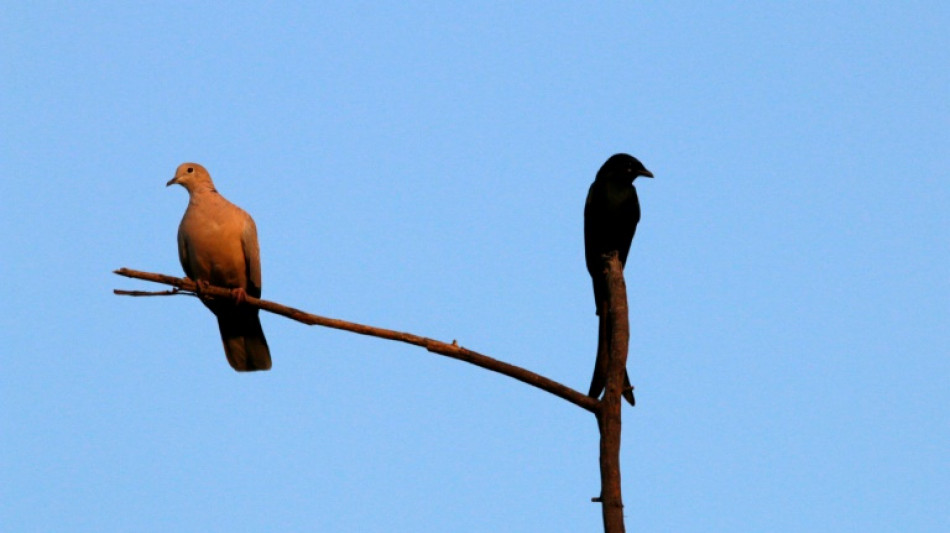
(172, 181)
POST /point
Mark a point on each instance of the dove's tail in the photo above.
(599, 380)
(243, 339)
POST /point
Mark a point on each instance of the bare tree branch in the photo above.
(607, 410)
(608, 416)
(185, 286)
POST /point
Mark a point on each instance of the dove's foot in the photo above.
(239, 296)
(201, 286)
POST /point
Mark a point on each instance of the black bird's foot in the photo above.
(628, 395)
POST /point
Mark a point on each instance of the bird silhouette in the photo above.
(611, 215)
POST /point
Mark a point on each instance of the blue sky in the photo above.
(423, 167)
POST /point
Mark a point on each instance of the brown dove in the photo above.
(217, 245)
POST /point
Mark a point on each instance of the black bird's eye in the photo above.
(190, 170)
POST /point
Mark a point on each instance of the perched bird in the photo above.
(217, 245)
(611, 215)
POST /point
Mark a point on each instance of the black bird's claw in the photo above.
(627, 393)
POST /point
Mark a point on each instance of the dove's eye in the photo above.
(190, 170)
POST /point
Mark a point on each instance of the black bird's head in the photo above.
(624, 168)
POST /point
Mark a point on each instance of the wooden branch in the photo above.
(186, 286)
(608, 416)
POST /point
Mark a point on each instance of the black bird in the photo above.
(611, 215)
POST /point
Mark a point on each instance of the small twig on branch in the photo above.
(186, 286)
(152, 293)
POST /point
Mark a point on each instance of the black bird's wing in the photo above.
(611, 215)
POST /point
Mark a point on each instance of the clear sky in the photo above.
(423, 166)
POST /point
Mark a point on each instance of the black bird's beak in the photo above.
(646, 173)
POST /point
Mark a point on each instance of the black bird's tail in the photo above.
(599, 380)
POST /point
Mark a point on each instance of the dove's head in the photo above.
(623, 167)
(192, 177)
